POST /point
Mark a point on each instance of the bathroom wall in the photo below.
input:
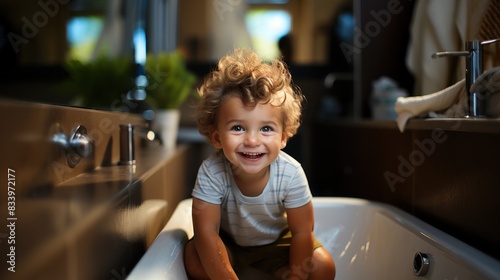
(382, 36)
(443, 171)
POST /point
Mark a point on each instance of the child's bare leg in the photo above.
(192, 263)
(323, 265)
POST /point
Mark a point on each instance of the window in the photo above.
(266, 27)
(83, 33)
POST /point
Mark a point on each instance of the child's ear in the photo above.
(215, 139)
(284, 140)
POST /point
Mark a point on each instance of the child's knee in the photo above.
(192, 263)
(324, 266)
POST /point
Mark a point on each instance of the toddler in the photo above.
(251, 201)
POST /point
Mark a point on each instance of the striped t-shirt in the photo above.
(257, 220)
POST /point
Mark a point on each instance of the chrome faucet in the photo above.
(473, 68)
(127, 147)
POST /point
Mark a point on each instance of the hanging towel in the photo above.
(451, 101)
(447, 99)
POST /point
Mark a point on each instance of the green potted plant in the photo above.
(99, 83)
(170, 84)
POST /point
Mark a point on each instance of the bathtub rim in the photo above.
(454, 248)
(177, 227)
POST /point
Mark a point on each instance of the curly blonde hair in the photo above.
(245, 75)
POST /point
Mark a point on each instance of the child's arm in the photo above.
(211, 249)
(301, 224)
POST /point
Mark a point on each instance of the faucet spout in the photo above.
(450, 53)
(473, 68)
(127, 147)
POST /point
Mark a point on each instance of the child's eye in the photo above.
(237, 128)
(267, 129)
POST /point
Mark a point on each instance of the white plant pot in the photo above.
(167, 122)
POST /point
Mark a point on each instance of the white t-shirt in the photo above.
(258, 220)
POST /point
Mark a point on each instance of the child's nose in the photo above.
(252, 139)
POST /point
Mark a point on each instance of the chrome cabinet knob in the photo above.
(79, 145)
(80, 142)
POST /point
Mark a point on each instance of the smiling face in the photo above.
(250, 137)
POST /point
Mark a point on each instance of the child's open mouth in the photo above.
(252, 155)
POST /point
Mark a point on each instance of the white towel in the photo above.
(447, 99)
(451, 101)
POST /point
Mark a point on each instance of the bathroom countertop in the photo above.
(447, 124)
(95, 205)
(457, 124)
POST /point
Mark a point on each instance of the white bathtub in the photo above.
(367, 240)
